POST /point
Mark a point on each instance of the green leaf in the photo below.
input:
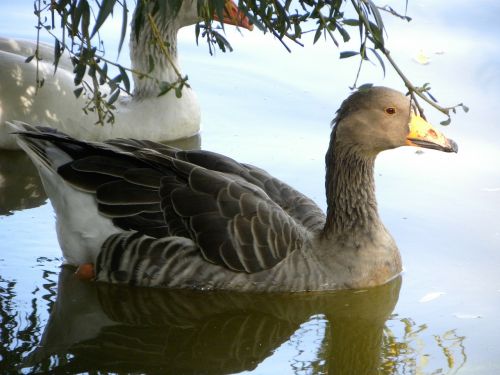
(126, 81)
(222, 42)
(351, 22)
(79, 73)
(197, 30)
(85, 16)
(105, 10)
(446, 122)
(114, 96)
(318, 34)
(376, 15)
(345, 35)
(124, 26)
(164, 87)
(57, 54)
(76, 15)
(78, 92)
(465, 108)
(347, 54)
(29, 58)
(178, 92)
(91, 71)
(380, 60)
(103, 73)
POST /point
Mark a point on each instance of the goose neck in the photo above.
(147, 56)
(350, 191)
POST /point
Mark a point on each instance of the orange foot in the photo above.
(85, 271)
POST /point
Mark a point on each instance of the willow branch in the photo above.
(161, 45)
(411, 87)
(415, 90)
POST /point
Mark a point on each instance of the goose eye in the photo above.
(390, 110)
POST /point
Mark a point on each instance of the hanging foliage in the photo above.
(75, 25)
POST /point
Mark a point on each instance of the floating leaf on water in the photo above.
(422, 58)
(467, 316)
(430, 296)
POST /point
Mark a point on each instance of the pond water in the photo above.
(264, 106)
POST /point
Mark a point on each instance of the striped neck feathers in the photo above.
(146, 54)
(350, 190)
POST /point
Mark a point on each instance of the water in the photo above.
(260, 106)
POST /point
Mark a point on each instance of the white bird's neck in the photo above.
(148, 57)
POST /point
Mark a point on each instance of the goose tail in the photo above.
(41, 144)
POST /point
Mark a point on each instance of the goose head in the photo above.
(191, 10)
(168, 21)
(368, 122)
(377, 119)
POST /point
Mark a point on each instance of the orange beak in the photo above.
(233, 16)
(422, 134)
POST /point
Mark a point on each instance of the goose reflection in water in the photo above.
(20, 184)
(101, 327)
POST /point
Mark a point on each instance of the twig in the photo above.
(161, 45)
(414, 91)
(37, 50)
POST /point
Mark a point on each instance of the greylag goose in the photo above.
(137, 117)
(151, 215)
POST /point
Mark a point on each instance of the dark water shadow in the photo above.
(20, 185)
(101, 328)
(118, 329)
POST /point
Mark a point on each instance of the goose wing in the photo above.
(158, 191)
(233, 222)
(301, 208)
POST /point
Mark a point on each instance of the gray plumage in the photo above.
(198, 219)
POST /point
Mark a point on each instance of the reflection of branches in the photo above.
(20, 332)
(454, 342)
(16, 339)
(409, 354)
(307, 361)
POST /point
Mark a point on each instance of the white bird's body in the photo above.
(55, 105)
(144, 115)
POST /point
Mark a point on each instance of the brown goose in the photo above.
(151, 215)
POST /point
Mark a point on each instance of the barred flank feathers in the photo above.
(134, 259)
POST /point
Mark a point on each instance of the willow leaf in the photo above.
(105, 10)
(124, 26)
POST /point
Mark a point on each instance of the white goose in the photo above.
(145, 115)
(152, 215)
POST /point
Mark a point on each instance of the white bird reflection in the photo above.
(20, 185)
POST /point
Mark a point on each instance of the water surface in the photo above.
(260, 106)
